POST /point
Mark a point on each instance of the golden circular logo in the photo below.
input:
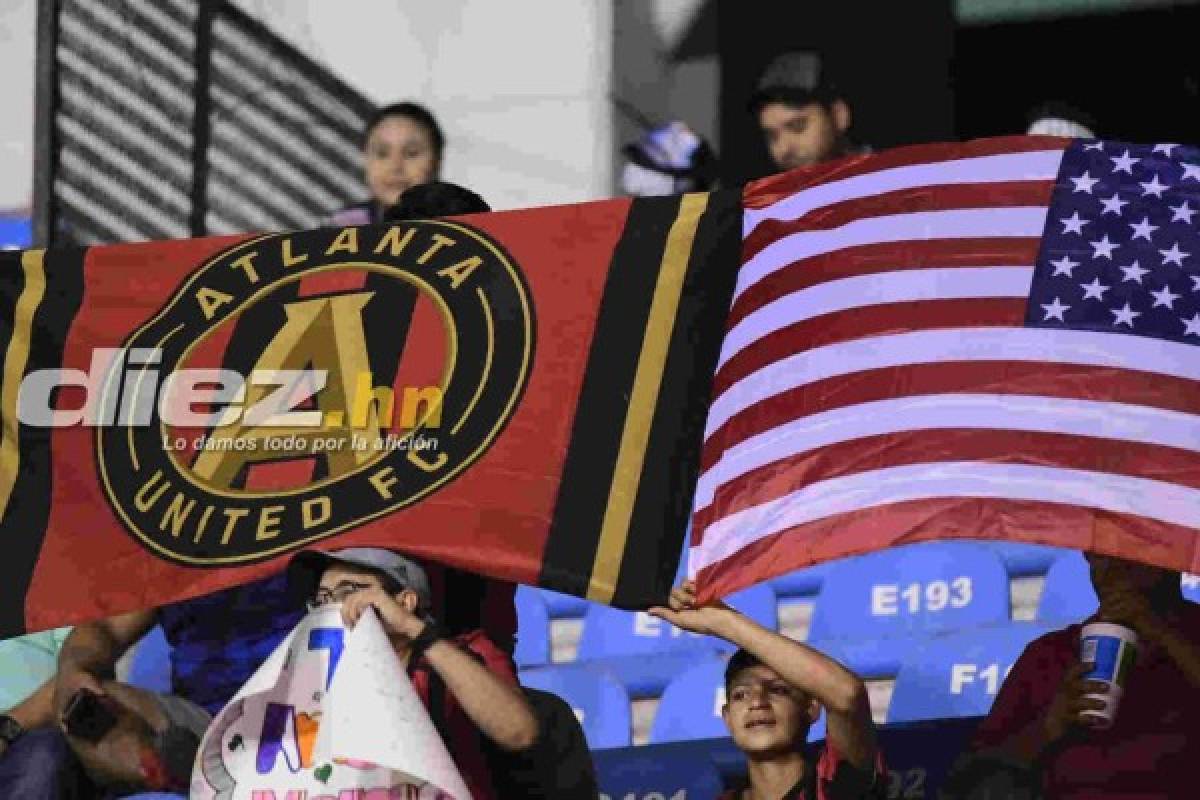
(264, 407)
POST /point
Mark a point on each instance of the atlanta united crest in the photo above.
(298, 385)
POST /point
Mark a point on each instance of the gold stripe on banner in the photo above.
(15, 359)
(643, 398)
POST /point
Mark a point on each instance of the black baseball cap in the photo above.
(797, 78)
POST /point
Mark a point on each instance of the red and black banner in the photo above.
(519, 394)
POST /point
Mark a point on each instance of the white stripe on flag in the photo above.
(1085, 418)
(859, 291)
(1052, 345)
(1035, 166)
(971, 223)
(1120, 494)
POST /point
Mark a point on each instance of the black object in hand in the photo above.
(87, 717)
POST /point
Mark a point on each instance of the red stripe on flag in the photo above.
(1100, 384)
(768, 191)
(867, 530)
(918, 199)
(861, 323)
(871, 259)
(851, 457)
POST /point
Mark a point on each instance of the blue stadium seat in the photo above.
(958, 674)
(801, 582)
(563, 606)
(645, 773)
(150, 664)
(691, 707)
(533, 629)
(912, 590)
(1022, 559)
(1068, 595)
(645, 653)
(1191, 587)
(611, 632)
(599, 702)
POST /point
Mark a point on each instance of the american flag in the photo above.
(995, 339)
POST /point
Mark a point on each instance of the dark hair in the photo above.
(797, 98)
(742, 660)
(435, 199)
(418, 114)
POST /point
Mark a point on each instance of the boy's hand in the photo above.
(396, 619)
(682, 611)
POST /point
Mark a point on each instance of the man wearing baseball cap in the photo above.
(803, 115)
(466, 682)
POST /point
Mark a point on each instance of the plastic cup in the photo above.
(1111, 651)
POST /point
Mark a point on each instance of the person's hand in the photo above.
(1062, 717)
(682, 611)
(395, 617)
(67, 683)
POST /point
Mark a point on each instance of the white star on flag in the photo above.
(1104, 248)
(1074, 224)
(1095, 289)
(1174, 255)
(1113, 205)
(1165, 149)
(1084, 183)
(1195, 283)
(1064, 266)
(1133, 272)
(1124, 316)
(1191, 171)
(1055, 310)
(1153, 187)
(1143, 229)
(1191, 326)
(1123, 163)
(1165, 297)
(1182, 213)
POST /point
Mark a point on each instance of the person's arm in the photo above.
(90, 653)
(34, 711)
(497, 708)
(849, 726)
(1037, 708)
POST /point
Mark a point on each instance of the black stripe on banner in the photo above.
(669, 471)
(23, 524)
(604, 398)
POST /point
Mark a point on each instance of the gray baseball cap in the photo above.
(306, 568)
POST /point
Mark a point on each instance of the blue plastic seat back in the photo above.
(690, 707)
(958, 674)
(533, 629)
(609, 632)
(563, 606)
(1068, 595)
(801, 582)
(1022, 559)
(649, 774)
(912, 590)
(1191, 587)
(150, 664)
(599, 702)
